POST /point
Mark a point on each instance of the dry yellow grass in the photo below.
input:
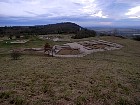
(103, 78)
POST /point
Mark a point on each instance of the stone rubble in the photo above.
(85, 50)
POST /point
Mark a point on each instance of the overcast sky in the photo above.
(82, 12)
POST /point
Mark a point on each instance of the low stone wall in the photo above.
(19, 42)
(86, 47)
(75, 49)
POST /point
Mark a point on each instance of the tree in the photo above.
(48, 48)
(84, 33)
(15, 54)
(136, 37)
(115, 32)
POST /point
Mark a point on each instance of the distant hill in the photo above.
(59, 28)
(125, 32)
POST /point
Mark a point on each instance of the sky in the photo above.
(86, 13)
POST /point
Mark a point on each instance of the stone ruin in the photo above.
(75, 49)
(80, 49)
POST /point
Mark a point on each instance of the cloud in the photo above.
(130, 2)
(82, 11)
(55, 8)
(100, 14)
(134, 12)
(20, 9)
(106, 23)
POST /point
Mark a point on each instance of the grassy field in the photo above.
(102, 78)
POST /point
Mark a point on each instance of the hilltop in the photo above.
(58, 28)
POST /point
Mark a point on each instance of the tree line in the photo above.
(59, 28)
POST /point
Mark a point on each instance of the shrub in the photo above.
(84, 33)
(123, 101)
(137, 37)
(81, 100)
(47, 88)
(17, 101)
(4, 95)
(15, 54)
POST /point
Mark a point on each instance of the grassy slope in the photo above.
(110, 77)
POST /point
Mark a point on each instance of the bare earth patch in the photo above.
(68, 52)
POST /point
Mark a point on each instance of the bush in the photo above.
(84, 33)
(4, 95)
(15, 54)
(17, 101)
(137, 37)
